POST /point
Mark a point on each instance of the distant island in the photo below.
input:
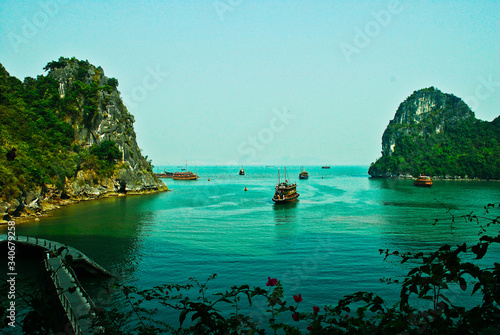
(437, 134)
(64, 137)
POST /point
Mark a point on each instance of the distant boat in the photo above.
(242, 171)
(186, 175)
(285, 192)
(325, 167)
(423, 181)
(164, 174)
(303, 174)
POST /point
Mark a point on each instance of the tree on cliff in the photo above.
(437, 134)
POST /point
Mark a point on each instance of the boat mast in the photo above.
(285, 175)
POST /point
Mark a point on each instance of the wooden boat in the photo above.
(185, 175)
(164, 174)
(423, 181)
(285, 192)
(303, 174)
(242, 171)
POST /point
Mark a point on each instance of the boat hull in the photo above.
(165, 174)
(423, 181)
(184, 176)
(286, 199)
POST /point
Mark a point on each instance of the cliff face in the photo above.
(66, 136)
(107, 120)
(425, 113)
(436, 133)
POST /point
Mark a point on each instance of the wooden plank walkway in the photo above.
(77, 304)
(74, 299)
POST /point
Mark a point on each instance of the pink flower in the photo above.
(271, 281)
(297, 298)
(316, 310)
(295, 317)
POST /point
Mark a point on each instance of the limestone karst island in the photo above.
(437, 134)
(66, 136)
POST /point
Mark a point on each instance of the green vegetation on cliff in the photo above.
(437, 134)
(48, 130)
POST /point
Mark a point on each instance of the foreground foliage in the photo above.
(427, 303)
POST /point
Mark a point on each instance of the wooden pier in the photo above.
(75, 301)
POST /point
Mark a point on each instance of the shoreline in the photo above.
(48, 206)
(440, 178)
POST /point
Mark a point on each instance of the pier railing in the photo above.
(68, 309)
(85, 299)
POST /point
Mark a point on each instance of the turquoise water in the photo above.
(323, 246)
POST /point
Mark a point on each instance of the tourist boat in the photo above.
(164, 174)
(325, 167)
(423, 181)
(303, 174)
(285, 192)
(185, 175)
(242, 171)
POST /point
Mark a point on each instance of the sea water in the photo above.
(324, 246)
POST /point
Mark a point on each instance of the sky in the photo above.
(243, 82)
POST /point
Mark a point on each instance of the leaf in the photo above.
(182, 317)
(480, 250)
(463, 284)
(477, 286)
(445, 247)
(249, 299)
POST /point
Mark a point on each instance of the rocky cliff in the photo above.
(109, 120)
(436, 133)
(71, 138)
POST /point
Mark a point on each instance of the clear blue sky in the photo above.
(265, 82)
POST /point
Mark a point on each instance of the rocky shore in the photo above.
(32, 208)
(445, 178)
